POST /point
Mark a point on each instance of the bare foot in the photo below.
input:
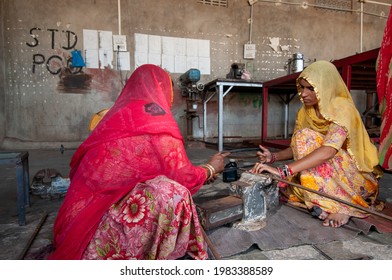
(319, 213)
(336, 220)
(323, 215)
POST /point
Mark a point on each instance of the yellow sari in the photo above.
(349, 174)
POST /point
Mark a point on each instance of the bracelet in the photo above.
(209, 174)
(273, 158)
(210, 166)
(284, 171)
(210, 170)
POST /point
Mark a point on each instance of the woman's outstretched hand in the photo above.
(264, 155)
(260, 167)
(217, 161)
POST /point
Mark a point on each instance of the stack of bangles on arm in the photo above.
(210, 171)
(284, 171)
(273, 158)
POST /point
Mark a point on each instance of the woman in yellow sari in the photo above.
(331, 148)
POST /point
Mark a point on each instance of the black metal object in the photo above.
(241, 150)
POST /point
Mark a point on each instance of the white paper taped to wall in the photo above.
(124, 61)
(177, 55)
(98, 48)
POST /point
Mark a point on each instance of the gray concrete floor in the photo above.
(31, 240)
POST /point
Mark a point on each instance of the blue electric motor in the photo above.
(190, 76)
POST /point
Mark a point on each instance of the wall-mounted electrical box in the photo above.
(120, 43)
(250, 51)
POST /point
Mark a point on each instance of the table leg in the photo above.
(26, 181)
(20, 193)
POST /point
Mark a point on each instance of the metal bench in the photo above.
(21, 162)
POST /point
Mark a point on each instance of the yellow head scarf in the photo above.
(336, 105)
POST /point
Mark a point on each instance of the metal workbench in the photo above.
(221, 87)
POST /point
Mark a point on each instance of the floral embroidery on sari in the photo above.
(156, 218)
(338, 177)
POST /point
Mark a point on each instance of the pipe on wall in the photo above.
(119, 16)
(251, 24)
(361, 34)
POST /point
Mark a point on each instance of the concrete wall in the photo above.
(40, 111)
(2, 75)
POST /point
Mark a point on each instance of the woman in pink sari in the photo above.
(384, 93)
(132, 183)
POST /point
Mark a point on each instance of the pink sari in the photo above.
(384, 92)
(132, 175)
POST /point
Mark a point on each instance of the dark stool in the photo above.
(21, 161)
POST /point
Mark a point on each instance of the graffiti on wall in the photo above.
(62, 62)
(40, 59)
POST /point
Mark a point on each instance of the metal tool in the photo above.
(241, 150)
(334, 198)
(252, 198)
